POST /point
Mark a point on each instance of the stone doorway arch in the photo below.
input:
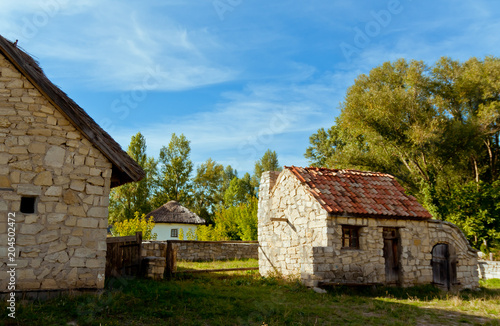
(444, 265)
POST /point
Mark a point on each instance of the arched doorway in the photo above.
(444, 265)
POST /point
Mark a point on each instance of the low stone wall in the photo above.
(153, 267)
(488, 269)
(154, 249)
(203, 250)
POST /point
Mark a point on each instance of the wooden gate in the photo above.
(444, 266)
(123, 255)
(391, 255)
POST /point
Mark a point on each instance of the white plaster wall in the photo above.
(163, 230)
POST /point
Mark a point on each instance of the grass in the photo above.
(248, 299)
(241, 263)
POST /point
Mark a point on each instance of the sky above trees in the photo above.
(235, 77)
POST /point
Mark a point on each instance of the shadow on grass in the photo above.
(253, 300)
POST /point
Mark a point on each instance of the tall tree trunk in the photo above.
(476, 170)
(490, 155)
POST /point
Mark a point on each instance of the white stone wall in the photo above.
(288, 247)
(164, 230)
(309, 243)
(63, 244)
(488, 269)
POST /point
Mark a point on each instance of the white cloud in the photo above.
(113, 45)
(244, 124)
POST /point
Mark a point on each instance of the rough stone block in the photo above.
(87, 222)
(55, 157)
(54, 191)
(97, 212)
(94, 190)
(77, 185)
(29, 190)
(77, 262)
(48, 237)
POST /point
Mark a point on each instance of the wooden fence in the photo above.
(123, 256)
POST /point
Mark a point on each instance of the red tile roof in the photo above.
(351, 192)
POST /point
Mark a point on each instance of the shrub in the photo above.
(136, 224)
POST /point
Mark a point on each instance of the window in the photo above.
(174, 233)
(28, 205)
(350, 236)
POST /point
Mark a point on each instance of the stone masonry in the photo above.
(488, 269)
(62, 245)
(202, 250)
(304, 241)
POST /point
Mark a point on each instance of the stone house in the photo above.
(171, 218)
(354, 227)
(56, 170)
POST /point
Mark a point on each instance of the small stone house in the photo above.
(56, 170)
(354, 227)
(171, 218)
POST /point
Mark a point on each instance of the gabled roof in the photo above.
(173, 212)
(125, 169)
(359, 193)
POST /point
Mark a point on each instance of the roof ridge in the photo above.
(351, 171)
(354, 192)
(125, 169)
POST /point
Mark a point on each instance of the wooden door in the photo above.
(440, 265)
(391, 255)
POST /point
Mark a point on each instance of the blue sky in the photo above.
(235, 76)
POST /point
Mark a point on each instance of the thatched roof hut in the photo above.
(125, 169)
(173, 212)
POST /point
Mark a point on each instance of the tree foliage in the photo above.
(208, 184)
(434, 128)
(268, 162)
(233, 223)
(134, 197)
(136, 224)
(174, 173)
(216, 193)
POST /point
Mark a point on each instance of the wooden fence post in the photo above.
(138, 239)
(171, 260)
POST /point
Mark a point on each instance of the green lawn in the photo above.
(248, 299)
(241, 263)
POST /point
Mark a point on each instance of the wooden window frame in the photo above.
(174, 233)
(350, 236)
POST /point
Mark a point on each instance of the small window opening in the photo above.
(350, 238)
(174, 233)
(28, 205)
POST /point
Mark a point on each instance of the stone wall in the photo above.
(308, 244)
(202, 250)
(288, 247)
(488, 269)
(62, 245)
(153, 267)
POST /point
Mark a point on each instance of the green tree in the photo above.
(239, 191)
(475, 209)
(268, 162)
(135, 196)
(432, 127)
(175, 169)
(191, 234)
(229, 175)
(208, 184)
(137, 224)
(232, 223)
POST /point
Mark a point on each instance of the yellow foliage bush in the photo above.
(131, 226)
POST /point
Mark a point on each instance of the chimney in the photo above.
(267, 182)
